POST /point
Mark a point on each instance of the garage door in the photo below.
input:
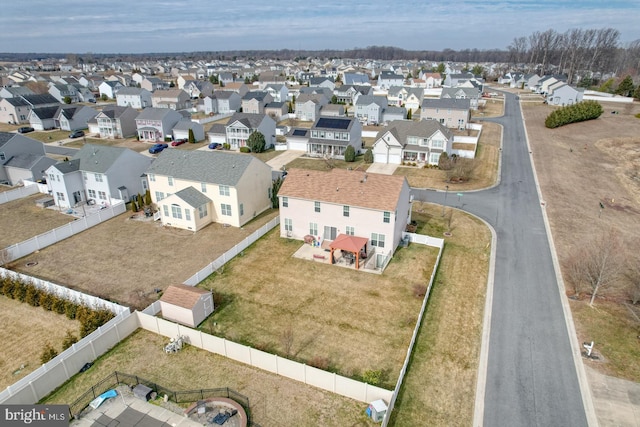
(380, 158)
(297, 145)
(394, 159)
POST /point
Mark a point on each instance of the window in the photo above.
(316, 206)
(60, 196)
(152, 177)
(377, 240)
(226, 209)
(285, 202)
(166, 210)
(203, 187)
(202, 211)
(351, 231)
(437, 143)
(145, 186)
(224, 190)
(98, 177)
(102, 195)
(92, 194)
(241, 209)
(159, 195)
(386, 217)
(313, 228)
(345, 211)
(52, 177)
(176, 211)
(288, 225)
(170, 180)
(187, 214)
(434, 158)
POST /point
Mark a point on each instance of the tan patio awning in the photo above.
(348, 243)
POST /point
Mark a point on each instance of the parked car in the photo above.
(76, 134)
(25, 129)
(179, 142)
(157, 148)
(215, 146)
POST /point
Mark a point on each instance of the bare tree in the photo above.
(5, 256)
(517, 50)
(598, 262)
(633, 277)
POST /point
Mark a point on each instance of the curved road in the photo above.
(531, 374)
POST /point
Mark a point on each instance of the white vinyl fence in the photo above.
(429, 241)
(224, 258)
(18, 193)
(269, 362)
(43, 240)
(54, 373)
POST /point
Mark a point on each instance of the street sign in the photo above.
(459, 194)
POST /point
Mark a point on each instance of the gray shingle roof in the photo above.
(98, 158)
(17, 102)
(70, 166)
(40, 99)
(250, 120)
(150, 113)
(45, 112)
(5, 137)
(456, 104)
(422, 129)
(193, 197)
(22, 161)
(214, 167)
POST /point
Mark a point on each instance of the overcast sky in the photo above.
(136, 26)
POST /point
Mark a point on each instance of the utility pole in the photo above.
(446, 191)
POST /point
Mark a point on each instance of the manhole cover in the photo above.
(447, 234)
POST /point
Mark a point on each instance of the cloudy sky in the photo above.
(135, 26)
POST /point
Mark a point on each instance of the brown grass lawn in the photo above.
(265, 156)
(494, 107)
(6, 127)
(130, 143)
(439, 388)
(49, 135)
(348, 320)
(274, 400)
(484, 174)
(26, 330)
(124, 260)
(22, 219)
(580, 166)
(324, 165)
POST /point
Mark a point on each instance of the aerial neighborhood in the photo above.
(244, 238)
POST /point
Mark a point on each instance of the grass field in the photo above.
(124, 260)
(580, 166)
(274, 400)
(345, 320)
(35, 327)
(22, 219)
(439, 389)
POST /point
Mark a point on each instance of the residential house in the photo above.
(225, 78)
(253, 102)
(326, 82)
(387, 79)
(153, 83)
(454, 79)
(276, 110)
(419, 142)
(278, 92)
(84, 94)
(471, 93)
(390, 114)
(187, 305)
(43, 118)
(133, 97)
(155, 124)
(222, 102)
(369, 108)
(342, 204)
(356, 79)
(116, 122)
(73, 117)
(563, 94)
(332, 110)
(174, 99)
(308, 106)
(347, 94)
(238, 87)
(298, 139)
(330, 136)
(453, 113)
(241, 125)
(195, 188)
(110, 88)
(198, 88)
(64, 92)
(96, 174)
(21, 158)
(408, 97)
(531, 81)
(431, 80)
(16, 110)
(15, 91)
(181, 130)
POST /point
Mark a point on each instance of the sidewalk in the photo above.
(616, 401)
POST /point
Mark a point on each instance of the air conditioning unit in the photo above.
(289, 234)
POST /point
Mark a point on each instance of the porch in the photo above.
(341, 258)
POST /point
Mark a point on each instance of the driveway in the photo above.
(382, 168)
(286, 157)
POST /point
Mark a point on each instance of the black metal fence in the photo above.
(186, 396)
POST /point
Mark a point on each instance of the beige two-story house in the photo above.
(195, 188)
(453, 113)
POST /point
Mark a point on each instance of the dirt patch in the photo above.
(125, 260)
(580, 166)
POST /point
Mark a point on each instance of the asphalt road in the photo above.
(60, 150)
(531, 375)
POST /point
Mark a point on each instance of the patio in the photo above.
(322, 254)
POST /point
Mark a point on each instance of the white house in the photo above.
(133, 97)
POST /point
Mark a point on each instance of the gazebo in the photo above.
(352, 244)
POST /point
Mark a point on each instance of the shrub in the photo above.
(32, 296)
(48, 353)
(580, 112)
(46, 300)
(372, 377)
(58, 305)
(245, 150)
(350, 154)
(69, 340)
(226, 146)
(368, 156)
(191, 138)
(319, 362)
(19, 291)
(256, 142)
(7, 287)
(444, 162)
(70, 309)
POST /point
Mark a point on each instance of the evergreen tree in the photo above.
(256, 142)
(192, 138)
(368, 156)
(350, 154)
(625, 88)
(409, 117)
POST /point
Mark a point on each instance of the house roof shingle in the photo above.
(192, 197)
(182, 295)
(344, 187)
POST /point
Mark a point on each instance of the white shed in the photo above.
(186, 305)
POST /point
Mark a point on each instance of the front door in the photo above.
(77, 197)
(330, 233)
